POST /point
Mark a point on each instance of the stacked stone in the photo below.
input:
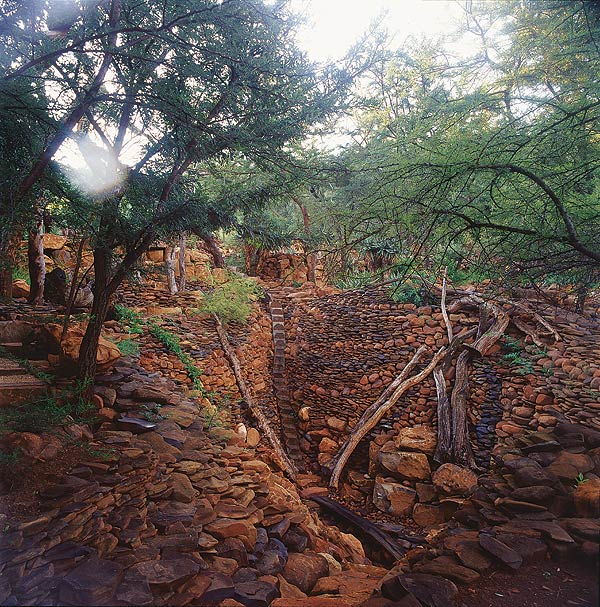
(164, 515)
(522, 512)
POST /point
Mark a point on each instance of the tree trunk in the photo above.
(310, 257)
(372, 416)
(182, 271)
(36, 263)
(88, 350)
(213, 248)
(170, 269)
(8, 261)
(251, 259)
(461, 446)
(73, 289)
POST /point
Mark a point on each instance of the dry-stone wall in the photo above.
(344, 349)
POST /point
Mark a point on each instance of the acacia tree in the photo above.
(496, 157)
(174, 84)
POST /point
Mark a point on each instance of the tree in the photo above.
(494, 159)
(176, 84)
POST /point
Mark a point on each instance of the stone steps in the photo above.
(281, 390)
(17, 386)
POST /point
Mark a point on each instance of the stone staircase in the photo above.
(288, 417)
(17, 385)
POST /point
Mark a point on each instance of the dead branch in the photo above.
(260, 417)
(375, 412)
(444, 310)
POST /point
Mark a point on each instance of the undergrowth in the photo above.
(232, 300)
(173, 344)
(25, 364)
(49, 411)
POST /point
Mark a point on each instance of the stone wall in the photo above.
(344, 349)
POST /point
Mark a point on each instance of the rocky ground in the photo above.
(165, 505)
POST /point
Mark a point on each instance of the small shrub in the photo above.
(129, 347)
(129, 318)
(172, 343)
(407, 293)
(232, 301)
(515, 356)
(48, 411)
(579, 480)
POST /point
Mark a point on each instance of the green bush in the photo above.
(232, 301)
(172, 343)
(129, 318)
(129, 347)
(48, 411)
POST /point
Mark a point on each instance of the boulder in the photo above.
(92, 582)
(303, 570)
(404, 464)
(501, 551)
(107, 354)
(428, 515)
(393, 498)
(417, 438)
(20, 289)
(448, 568)
(451, 479)
(587, 499)
(53, 242)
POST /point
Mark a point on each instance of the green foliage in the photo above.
(8, 460)
(407, 293)
(129, 320)
(356, 280)
(173, 344)
(26, 364)
(232, 301)
(48, 411)
(515, 357)
(21, 273)
(129, 347)
(579, 480)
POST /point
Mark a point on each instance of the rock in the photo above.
(55, 286)
(221, 588)
(586, 528)
(447, 567)
(587, 499)
(303, 570)
(273, 559)
(530, 549)
(166, 573)
(425, 491)
(451, 479)
(501, 551)
(93, 582)
(134, 425)
(134, 590)
(20, 289)
(336, 424)
(427, 515)
(468, 551)
(430, 590)
(538, 494)
(255, 593)
(107, 354)
(183, 491)
(392, 497)
(568, 465)
(252, 437)
(534, 475)
(53, 242)
(404, 464)
(416, 438)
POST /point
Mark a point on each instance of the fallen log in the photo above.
(263, 422)
(380, 537)
(372, 416)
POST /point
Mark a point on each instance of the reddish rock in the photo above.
(303, 570)
(427, 515)
(448, 568)
(392, 497)
(404, 464)
(416, 438)
(451, 479)
(501, 551)
(587, 499)
(93, 582)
